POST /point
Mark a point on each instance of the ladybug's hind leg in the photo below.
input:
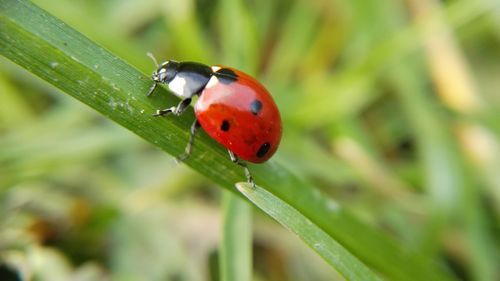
(235, 159)
(189, 146)
(176, 110)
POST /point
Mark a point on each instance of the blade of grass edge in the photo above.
(330, 250)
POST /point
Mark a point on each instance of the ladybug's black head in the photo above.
(166, 72)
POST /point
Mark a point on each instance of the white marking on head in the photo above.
(177, 86)
(215, 68)
(212, 82)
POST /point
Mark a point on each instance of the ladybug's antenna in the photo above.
(150, 55)
(153, 87)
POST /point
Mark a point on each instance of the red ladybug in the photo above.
(232, 107)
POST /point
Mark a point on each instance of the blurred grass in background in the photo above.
(390, 107)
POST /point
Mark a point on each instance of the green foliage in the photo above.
(332, 252)
(389, 157)
(235, 255)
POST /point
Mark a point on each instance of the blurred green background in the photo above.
(390, 107)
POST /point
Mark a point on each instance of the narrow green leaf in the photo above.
(295, 38)
(239, 50)
(239, 47)
(452, 195)
(236, 248)
(329, 249)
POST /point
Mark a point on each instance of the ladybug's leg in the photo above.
(176, 110)
(189, 147)
(152, 89)
(235, 159)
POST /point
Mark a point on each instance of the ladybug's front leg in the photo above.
(189, 147)
(174, 110)
(235, 159)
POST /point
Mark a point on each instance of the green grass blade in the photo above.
(240, 50)
(235, 257)
(329, 249)
(452, 195)
(68, 60)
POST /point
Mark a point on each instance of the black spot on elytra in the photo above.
(226, 75)
(263, 150)
(224, 126)
(256, 107)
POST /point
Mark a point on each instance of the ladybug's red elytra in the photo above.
(233, 108)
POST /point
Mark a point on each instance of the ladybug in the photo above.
(232, 107)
